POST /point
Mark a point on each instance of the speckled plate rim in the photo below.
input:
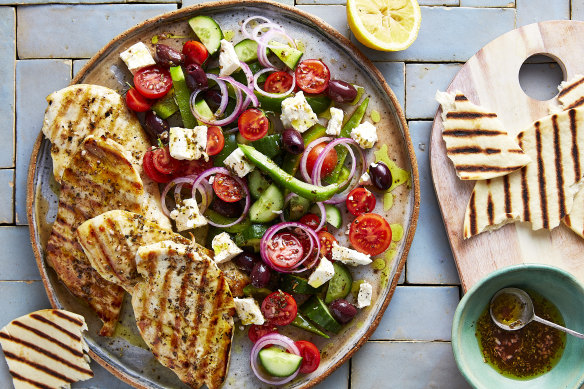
(340, 40)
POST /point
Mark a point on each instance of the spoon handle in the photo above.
(558, 327)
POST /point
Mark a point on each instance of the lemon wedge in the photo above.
(386, 25)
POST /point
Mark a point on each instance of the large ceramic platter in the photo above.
(124, 354)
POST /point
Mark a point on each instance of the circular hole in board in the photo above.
(540, 76)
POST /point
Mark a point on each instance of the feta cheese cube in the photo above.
(365, 293)
(365, 134)
(225, 249)
(228, 59)
(187, 216)
(237, 162)
(248, 311)
(349, 256)
(137, 57)
(365, 179)
(335, 122)
(297, 113)
(322, 273)
(188, 143)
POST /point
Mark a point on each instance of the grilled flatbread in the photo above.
(80, 110)
(476, 141)
(45, 349)
(542, 192)
(99, 178)
(571, 93)
(111, 241)
(184, 311)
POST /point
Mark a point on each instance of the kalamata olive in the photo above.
(343, 310)
(246, 261)
(227, 209)
(213, 98)
(154, 124)
(380, 176)
(260, 275)
(195, 77)
(341, 91)
(167, 56)
(292, 141)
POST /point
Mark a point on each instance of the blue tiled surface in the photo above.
(7, 58)
(7, 196)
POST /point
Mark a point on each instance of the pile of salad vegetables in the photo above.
(280, 212)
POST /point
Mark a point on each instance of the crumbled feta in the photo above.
(137, 57)
(248, 311)
(322, 273)
(297, 113)
(237, 162)
(224, 248)
(365, 179)
(187, 216)
(228, 59)
(365, 134)
(335, 122)
(365, 293)
(188, 143)
(349, 256)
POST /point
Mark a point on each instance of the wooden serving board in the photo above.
(491, 79)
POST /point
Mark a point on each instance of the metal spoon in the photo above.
(526, 315)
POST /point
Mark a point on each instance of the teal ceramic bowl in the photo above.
(556, 285)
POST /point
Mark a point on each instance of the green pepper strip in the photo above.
(342, 152)
(308, 191)
(183, 96)
(301, 322)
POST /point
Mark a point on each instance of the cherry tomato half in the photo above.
(326, 243)
(312, 76)
(310, 356)
(253, 124)
(311, 220)
(279, 308)
(227, 189)
(163, 162)
(195, 52)
(256, 331)
(278, 82)
(360, 200)
(137, 102)
(215, 140)
(151, 171)
(285, 250)
(153, 82)
(370, 234)
(329, 163)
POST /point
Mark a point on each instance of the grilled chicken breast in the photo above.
(184, 311)
(99, 178)
(476, 141)
(80, 110)
(542, 192)
(45, 349)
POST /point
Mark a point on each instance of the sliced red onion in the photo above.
(214, 122)
(267, 340)
(248, 73)
(263, 56)
(176, 181)
(272, 95)
(322, 216)
(206, 194)
(304, 158)
(272, 33)
(286, 201)
(224, 94)
(244, 31)
(314, 241)
(250, 95)
(257, 30)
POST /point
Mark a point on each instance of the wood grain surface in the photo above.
(491, 79)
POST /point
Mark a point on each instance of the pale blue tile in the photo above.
(7, 58)
(577, 10)
(487, 3)
(17, 261)
(335, 15)
(7, 197)
(422, 81)
(413, 308)
(439, 2)
(395, 75)
(33, 86)
(430, 259)
(532, 11)
(338, 380)
(450, 34)
(36, 2)
(540, 81)
(187, 3)
(77, 31)
(21, 298)
(78, 64)
(406, 365)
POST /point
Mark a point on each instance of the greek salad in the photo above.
(270, 149)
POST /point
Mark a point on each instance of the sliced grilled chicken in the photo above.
(80, 110)
(476, 141)
(571, 93)
(542, 192)
(111, 241)
(184, 311)
(45, 349)
(99, 178)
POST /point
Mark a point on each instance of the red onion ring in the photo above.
(244, 31)
(263, 56)
(273, 95)
(176, 181)
(214, 122)
(268, 35)
(250, 95)
(248, 74)
(314, 241)
(286, 201)
(307, 149)
(206, 194)
(322, 216)
(270, 26)
(224, 94)
(266, 340)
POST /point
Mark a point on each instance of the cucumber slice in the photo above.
(340, 285)
(316, 310)
(269, 145)
(208, 31)
(166, 106)
(257, 293)
(333, 214)
(183, 96)
(298, 207)
(257, 183)
(293, 284)
(251, 237)
(220, 219)
(289, 55)
(266, 208)
(279, 363)
(203, 109)
(247, 50)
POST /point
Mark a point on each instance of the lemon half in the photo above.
(386, 25)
